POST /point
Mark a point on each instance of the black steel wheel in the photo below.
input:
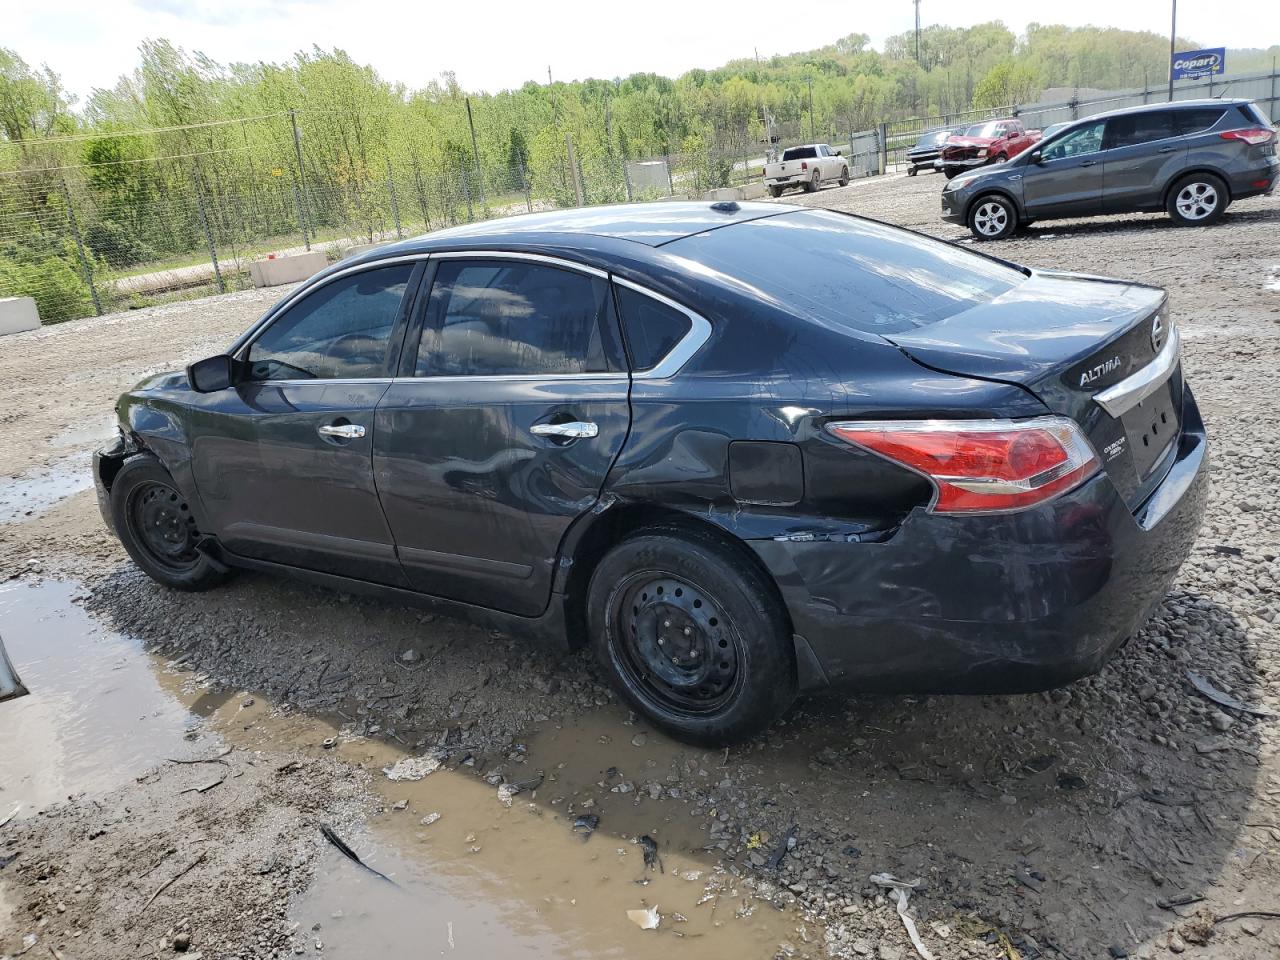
(693, 634)
(158, 527)
(677, 643)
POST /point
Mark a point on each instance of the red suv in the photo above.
(992, 141)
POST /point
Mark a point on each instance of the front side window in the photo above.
(514, 318)
(1132, 129)
(1076, 143)
(341, 331)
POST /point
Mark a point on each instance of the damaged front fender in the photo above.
(10, 685)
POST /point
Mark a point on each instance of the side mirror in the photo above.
(212, 374)
(839, 154)
(1036, 157)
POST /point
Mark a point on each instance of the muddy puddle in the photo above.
(550, 870)
(33, 492)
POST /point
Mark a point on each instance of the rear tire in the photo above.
(692, 636)
(912, 171)
(844, 176)
(157, 528)
(813, 183)
(1197, 199)
(775, 191)
(992, 217)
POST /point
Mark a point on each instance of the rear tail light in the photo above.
(1252, 136)
(979, 466)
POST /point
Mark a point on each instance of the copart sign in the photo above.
(1199, 63)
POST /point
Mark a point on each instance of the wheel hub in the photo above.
(679, 644)
(164, 525)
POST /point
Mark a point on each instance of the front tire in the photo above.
(1197, 199)
(992, 217)
(157, 528)
(912, 171)
(844, 176)
(692, 636)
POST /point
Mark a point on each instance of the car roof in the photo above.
(1171, 105)
(651, 224)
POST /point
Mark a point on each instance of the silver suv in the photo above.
(1189, 159)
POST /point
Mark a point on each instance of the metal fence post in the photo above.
(525, 185)
(475, 156)
(208, 234)
(626, 180)
(395, 202)
(422, 194)
(300, 189)
(466, 192)
(86, 268)
(671, 182)
(573, 170)
(882, 134)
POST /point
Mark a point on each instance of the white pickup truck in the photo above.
(806, 167)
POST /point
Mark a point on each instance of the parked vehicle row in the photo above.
(738, 450)
(806, 167)
(1190, 159)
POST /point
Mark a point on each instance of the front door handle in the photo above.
(575, 430)
(1087, 163)
(1168, 149)
(343, 431)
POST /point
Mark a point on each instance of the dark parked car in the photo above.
(739, 450)
(927, 150)
(1190, 159)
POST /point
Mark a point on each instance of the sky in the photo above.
(495, 44)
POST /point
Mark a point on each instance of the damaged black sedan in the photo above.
(740, 451)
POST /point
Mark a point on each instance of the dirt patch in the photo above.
(1066, 824)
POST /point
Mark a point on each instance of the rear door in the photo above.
(511, 407)
(1067, 182)
(1143, 153)
(283, 460)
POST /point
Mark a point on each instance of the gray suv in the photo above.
(1189, 159)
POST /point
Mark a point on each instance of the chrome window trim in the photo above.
(698, 334)
(479, 254)
(315, 380)
(1119, 398)
(307, 286)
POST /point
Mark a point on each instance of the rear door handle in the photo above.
(343, 431)
(575, 430)
(1168, 149)
(1087, 163)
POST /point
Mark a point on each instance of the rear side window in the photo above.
(1253, 115)
(511, 318)
(650, 328)
(340, 331)
(1135, 128)
(799, 153)
(848, 273)
(1198, 118)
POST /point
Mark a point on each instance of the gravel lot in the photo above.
(1065, 824)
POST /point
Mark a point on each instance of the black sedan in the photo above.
(740, 451)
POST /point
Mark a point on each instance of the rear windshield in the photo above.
(800, 153)
(851, 274)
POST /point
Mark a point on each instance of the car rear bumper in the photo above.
(1257, 181)
(1015, 602)
(792, 180)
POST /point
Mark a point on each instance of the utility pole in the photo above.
(812, 133)
(1173, 39)
(302, 180)
(548, 74)
(917, 3)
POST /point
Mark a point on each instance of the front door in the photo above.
(283, 460)
(511, 407)
(1067, 182)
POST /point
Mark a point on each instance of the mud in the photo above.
(1046, 825)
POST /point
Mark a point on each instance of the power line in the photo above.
(112, 134)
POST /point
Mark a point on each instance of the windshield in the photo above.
(933, 139)
(800, 153)
(987, 129)
(848, 273)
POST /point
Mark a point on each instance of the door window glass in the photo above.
(340, 331)
(1134, 128)
(513, 318)
(1086, 139)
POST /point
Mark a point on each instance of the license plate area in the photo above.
(1151, 427)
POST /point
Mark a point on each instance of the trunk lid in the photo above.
(1066, 339)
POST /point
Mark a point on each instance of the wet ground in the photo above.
(1123, 814)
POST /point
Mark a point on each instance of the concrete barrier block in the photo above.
(749, 191)
(18, 314)
(290, 269)
(753, 190)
